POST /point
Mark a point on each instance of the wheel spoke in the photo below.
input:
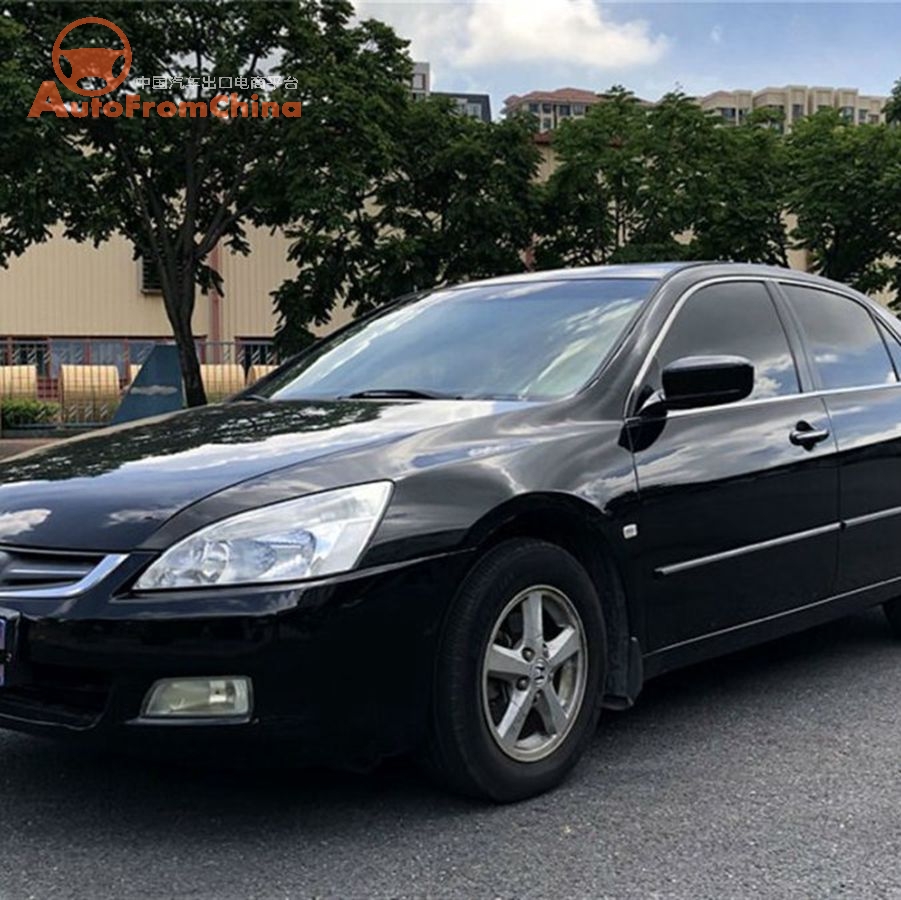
(517, 712)
(549, 707)
(506, 663)
(532, 625)
(562, 647)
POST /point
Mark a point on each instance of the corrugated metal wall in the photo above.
(62, 288)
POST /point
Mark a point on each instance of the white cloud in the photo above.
(462, 35)
(716, 34)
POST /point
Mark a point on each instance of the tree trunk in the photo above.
(179, 313)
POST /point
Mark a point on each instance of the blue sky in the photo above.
(512, 46)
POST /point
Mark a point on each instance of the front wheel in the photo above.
(520, 675)
(893, 614)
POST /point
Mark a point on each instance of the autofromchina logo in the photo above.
(100, 62)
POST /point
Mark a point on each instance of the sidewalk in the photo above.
(12, 446)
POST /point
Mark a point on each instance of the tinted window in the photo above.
(737, 319)
(842, 339)
(531, 341)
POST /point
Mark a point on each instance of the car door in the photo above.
(852, 365)
(738, 515)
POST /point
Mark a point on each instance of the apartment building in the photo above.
(793, 101)
(796, 101)
(476, 106)
(421, 81)
(553, 107)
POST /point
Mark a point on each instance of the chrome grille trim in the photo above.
(85, 580)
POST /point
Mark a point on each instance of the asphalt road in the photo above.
(774, 773)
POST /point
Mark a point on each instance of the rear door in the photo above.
(852, 364)
(738, 521)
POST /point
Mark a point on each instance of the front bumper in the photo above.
(341, 668)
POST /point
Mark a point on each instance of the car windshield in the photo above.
(528, 341)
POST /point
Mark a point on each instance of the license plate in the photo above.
(8, 623)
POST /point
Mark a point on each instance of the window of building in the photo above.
(578, 109)
(419, 81)
(861, 116)
(735, 319)
(474, 110)
(547, 108)
(533, 108)
(842, 338)
(564, 109)
(797, 111)
(547, 124)
(151, 283)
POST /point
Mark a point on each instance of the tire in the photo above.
(893, 614)
(496, 732)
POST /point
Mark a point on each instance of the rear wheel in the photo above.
(893, 614)
(520, 674)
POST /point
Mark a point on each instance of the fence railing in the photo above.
(79, 382)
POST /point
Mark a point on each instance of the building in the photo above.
(552, 107)
(793, 101)
(66, 302)
(796, 101)
(421, 82)
(476, 106)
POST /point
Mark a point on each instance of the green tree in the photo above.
(37, 162)
(893, 107)
(448, 199)
(632, 184)
(177, 187)
(846, 192)
(741, 213)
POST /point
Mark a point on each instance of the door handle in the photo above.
(806, 436)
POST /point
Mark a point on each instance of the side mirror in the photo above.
(697, 381)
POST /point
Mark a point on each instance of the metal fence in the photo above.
(60, 383)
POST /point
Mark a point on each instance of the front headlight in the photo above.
(320, 534)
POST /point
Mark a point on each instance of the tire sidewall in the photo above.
(502, 574)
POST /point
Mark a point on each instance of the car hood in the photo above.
(109, 490)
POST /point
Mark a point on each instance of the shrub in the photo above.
(18, 412)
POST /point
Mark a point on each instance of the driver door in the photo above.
(737, 522)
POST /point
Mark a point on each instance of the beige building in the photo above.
(795, 101)
(76, 303)
(552, 107)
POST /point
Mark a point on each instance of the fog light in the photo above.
(193, 698)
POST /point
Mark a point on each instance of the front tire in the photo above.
(520, 674)
(893, 614)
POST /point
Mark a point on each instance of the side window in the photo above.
(842, 338)
(736, 319)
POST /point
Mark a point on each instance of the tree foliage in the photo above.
(177, 187)
(448, 199)
(844, 187)
(642, 183)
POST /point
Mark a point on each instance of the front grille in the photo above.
(29, 570)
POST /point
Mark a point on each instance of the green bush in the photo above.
(20, 413)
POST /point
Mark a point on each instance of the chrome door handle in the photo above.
(806, 436)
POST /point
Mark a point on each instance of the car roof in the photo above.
(657, 271)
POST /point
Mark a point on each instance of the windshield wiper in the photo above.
(252, 398)
(398, 394)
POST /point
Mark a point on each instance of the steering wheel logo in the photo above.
(92, 62)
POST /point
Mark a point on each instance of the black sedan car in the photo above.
(463, 525)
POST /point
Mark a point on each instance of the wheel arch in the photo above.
(582, 530)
